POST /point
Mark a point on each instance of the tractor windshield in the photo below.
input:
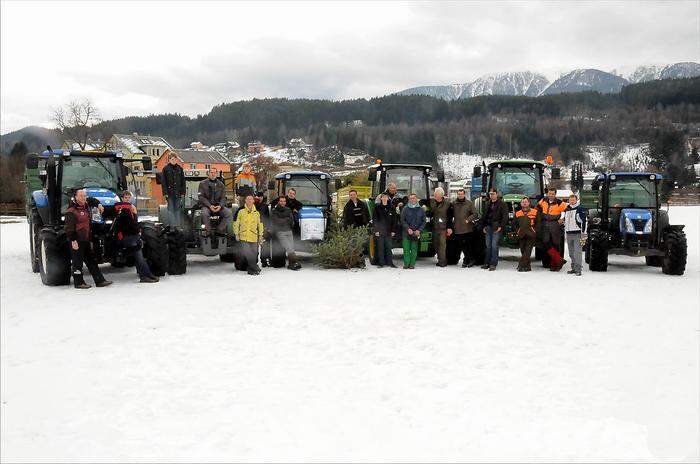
(407, 181)
(517, 180)
(311, 190)
(632, 192)
(81, 172)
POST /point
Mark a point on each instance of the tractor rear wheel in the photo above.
(654, 261)
(54, 257)
(34, 238)
(177, 251)
(155, 248)
(598, 247)
(676, 253)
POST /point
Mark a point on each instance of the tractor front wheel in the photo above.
(676, 253)
(54, 257)
(598, 251)
(34, 238)
(654, 261)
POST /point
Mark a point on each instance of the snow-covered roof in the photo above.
(188, 155)
(134, 142)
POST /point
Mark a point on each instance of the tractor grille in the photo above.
(639, 224)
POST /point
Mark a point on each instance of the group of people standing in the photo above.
(454, 224)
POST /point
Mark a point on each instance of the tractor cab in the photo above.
(313, 190)
(514, 180)
(628, 205)
(409, 178)
(54, 175)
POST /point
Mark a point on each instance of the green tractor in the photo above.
(514, 179)
(51, 178)
(194, 241)
(409, 178)
(627, 219)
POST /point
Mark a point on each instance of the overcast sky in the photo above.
(136, 58)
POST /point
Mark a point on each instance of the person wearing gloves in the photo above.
(249, 229)
(527, 221)
(575, 221)
(412, 224)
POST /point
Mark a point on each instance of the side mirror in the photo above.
(32, 162)
(484, 182)
(159, 178)
(147, 163)
(441, 176)
(372, 174)
(556, 173)
(338, 184)
(271, 185)
(477, 171)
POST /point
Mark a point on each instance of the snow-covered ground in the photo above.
(372, 365)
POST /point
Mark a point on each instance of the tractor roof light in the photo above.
(652, 177)
(612, 177)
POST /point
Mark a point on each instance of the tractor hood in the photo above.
(104, 196)
(635, 221)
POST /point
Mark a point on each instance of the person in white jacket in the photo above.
(575, 217)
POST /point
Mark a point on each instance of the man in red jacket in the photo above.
(77, 227)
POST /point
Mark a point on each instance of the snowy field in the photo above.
(373, 365)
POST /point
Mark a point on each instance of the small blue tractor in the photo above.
(313, 190)
(628, 220)
(51, 179)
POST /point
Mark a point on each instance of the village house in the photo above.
(138, 146)
(194, 163)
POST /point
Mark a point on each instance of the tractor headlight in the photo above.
(629, 227)
(647, 227)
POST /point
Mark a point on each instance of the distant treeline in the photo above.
(415, 128)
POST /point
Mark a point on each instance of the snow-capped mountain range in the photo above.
(527, 83)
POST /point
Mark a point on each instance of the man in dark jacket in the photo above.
(281, 223)
(355, 212)
(441, 214)
(174, 189)
(412, 225)
(384, 226)
(492, 225)
(464, 216)
(126, 226)
(77, 227)
(212, 197)
(527, 221)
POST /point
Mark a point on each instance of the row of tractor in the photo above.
(625, 212)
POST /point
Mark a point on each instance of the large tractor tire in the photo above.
(177, 251)
(155, 248)
(598, 246)
(587, 253)
(54, 257)
(34, 238)
(654, 261)
(676, 253)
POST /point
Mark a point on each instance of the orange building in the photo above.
(195, 163)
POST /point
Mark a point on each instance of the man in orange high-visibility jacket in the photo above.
(550, 209)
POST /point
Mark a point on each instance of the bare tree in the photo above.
(77, 121)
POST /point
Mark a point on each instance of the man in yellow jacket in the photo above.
(248, 229)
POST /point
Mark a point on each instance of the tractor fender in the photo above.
(674, 228)
(41, 201)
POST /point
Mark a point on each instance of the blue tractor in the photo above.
(313, 190)
(628, 220)
(51, 179)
